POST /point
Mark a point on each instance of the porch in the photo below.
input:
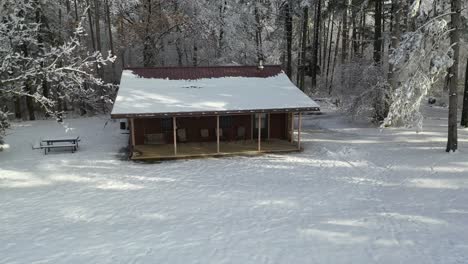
(210, 149)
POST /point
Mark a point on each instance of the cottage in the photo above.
(181, 112)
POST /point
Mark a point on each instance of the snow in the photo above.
(355, 195)
(150, 95)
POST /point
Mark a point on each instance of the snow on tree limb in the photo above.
(419, 61)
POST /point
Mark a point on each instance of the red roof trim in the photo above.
(193, 73)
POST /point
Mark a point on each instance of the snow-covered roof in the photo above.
(144, 95)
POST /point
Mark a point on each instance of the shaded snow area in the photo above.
(149, 95)
(355, 195)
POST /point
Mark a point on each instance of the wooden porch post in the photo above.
(217, 133)
(292, 127)
(132, 125)
(174, 128)
(259, 131)
(299, 131)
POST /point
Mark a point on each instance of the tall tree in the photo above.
(452, 139)
(302, 60)
(109, 31)
(378, 31)
(335, 56)
(396, 8)
(464, 119)
(315, 46)
(289, 35)
(344, 32)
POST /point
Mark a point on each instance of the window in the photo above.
(225, 121)
(166, 124)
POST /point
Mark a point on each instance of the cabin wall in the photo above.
(193, 126)
(278, 126)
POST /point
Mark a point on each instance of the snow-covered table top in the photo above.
(158, 96)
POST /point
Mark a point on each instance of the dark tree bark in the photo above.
(68, 6)
(452, 138)
(354, 37)
(195, 54)
(289, 35)
(111, 40)
(258, 34)
(315, 47)
(330, 41)
(395, 38)
(222, 12)
(97, 24)
(28, 88)
(178, 42)
(344, 32)
(18, 113)
(464, 119)
(29, 100)
(362, 35)
(325, 42)
(148, 56)
(338, 34)
(378, 32)
(90, 20)
(302, 64)
(76, 12)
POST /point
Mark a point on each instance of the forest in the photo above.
(375, 59)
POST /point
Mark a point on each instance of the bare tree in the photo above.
(378, 32)
(289, 34)
(315, 47)
(452, 138)
(302, 63)
(464, 119)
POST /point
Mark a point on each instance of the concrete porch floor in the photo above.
(208, 149)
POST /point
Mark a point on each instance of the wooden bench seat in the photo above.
(47, 148)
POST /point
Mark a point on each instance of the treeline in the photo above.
(375, 58)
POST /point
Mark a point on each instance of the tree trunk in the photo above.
(395, 39)
(76, 12)
(195, 54)
(464, 119)
(344, 32)
(148, 59)
(305, 29)
(18, 113)
(315, 47)
(329, 50)
(362, 25)
(452, 138)
(355, 49)
(330, 89)
(29, 100)
(378, 32)
(111, 41)
(289, 35)
(90, 20)
(258, 34)
(325, 42)
(222, 11)
(97, 24)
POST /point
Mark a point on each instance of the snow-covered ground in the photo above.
(355, 195)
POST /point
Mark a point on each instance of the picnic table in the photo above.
(56, 143)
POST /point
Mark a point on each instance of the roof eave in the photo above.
(214, 113)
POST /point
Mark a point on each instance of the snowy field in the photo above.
(355, 195)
